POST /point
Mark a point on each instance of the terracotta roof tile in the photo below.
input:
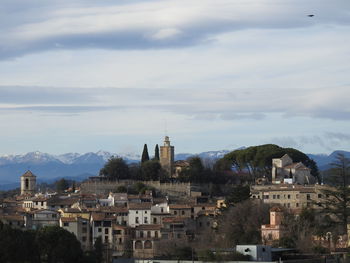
(140, 206)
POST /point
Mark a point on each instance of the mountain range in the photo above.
(75, 166)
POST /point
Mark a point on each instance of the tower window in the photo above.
(27, 183)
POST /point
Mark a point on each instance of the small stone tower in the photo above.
(28, 183)
(167, 156)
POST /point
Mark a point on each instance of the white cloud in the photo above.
(167, 33)
(220, 72)
(123, 26)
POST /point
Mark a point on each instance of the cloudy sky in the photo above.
(79, 76)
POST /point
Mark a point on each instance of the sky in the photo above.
(90, 75)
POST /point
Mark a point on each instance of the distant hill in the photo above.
(323, 160)
(75, 166)
(78, 167)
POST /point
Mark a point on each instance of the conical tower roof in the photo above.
(28, 174)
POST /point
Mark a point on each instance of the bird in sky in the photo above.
(310, 15)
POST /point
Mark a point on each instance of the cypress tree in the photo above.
(145, 156)
(156, 153)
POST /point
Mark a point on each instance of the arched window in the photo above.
(138, 244)
(26, 183)
(148, 244)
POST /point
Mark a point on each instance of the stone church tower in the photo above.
(167, 156)
(28, 183)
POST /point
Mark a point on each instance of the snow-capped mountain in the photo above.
(68, 158)
(76, 165)
(47, 166)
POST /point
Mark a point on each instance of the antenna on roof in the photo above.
(165, 128)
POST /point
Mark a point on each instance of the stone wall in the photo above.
(169, 189)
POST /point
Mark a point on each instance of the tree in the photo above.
(150, 170)
(241, 224)
(336, 201)
(121, 189)
(98, 249)
(156, 153)
(61, 185)
(194, 172)
(115, 169)
(145, 156)
(257, 160)
(58, 245)
(238, 193)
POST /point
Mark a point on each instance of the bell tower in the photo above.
(167, 156)
(28, 183)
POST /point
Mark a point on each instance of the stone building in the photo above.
(167, 157)
(294, 197)
(146, 240)
(275, 230)
(80, 227)
(28, 183)
(285, 171)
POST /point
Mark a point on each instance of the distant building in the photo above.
(28, 183)
(284, 171)
(179, 166)
(167, 156)
(275, 230)
(294, 197)
(256, 252)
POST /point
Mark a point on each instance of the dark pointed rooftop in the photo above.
(28, 174)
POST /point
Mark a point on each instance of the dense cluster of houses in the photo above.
(136, 225)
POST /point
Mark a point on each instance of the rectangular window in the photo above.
(106, 231)
(288, 196)
(65, 224)
(146, 220)
(99, 229)
(308, 197)
(107, 223)
(136, 220)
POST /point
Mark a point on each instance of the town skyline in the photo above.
(85, 76)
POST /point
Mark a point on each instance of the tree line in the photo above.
(51, 244)
(240, 166)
